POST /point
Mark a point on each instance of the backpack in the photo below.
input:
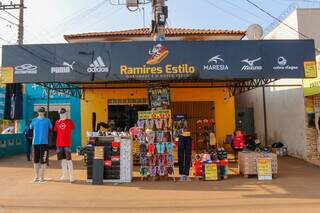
(29, 133)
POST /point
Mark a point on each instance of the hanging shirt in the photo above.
(63, 129)
(40, 128)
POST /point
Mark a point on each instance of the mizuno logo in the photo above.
(98, 66)
(251, 66)
(215, 59)
(251, 62)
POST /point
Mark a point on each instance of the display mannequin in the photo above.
(64, 127)
(40, 126)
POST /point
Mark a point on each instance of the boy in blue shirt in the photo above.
(40, 126)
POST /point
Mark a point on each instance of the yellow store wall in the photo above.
(96, 101)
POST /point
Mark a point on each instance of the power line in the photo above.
(272, 16)
(227, 12)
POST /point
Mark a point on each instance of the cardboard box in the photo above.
(248, 162)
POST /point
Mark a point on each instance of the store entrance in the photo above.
(195, 111)
(125, 116)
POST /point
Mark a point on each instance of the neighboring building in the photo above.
(36, 96)
(286, 107)
(118, 102)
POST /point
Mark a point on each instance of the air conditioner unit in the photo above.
(132, 3)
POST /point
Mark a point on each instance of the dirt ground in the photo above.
(297, 189)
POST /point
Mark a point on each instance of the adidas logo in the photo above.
(98, 66)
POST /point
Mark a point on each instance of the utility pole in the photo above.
(160, 15)
(21, 8)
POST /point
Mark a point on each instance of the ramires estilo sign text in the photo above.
(171, 60)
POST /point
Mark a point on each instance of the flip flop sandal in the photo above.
(143, 148)
(169, 147)
(159, 124)
(143, 161)
(152, 161)
(161, 170)
(141, 138)
(150, 124)
(170, 170)
(140, 124)
(151, 136)
(153, 171)
(160, 148)
(159, 136)
(151, 149)
(163, 146)
(143, 171)
(170, 159)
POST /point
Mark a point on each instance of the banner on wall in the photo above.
(154, 61)
(312, 86)
(154, 114)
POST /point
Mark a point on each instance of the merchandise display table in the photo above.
(248, 162)
(114, 154)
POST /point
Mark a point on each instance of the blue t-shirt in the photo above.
(40, 128)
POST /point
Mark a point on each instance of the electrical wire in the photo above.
(227, 12)
(277, 19)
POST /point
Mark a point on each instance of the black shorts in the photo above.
(64, 153)
(40, 153)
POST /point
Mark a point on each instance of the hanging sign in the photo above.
(264, 168)
(312, 86)
(6, 75)
(211, 171)
(159, 97)
(154, 114)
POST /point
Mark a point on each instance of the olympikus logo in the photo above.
(250, 66)
(98, 66)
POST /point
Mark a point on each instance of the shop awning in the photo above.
(112, 62)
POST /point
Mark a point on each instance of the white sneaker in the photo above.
(35, 180)
(42, 181)
(72, 180)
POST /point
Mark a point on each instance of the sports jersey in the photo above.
(40, 128)
(63, 129)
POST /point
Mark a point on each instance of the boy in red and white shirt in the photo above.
(64, 127)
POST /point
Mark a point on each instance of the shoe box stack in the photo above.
(112, 161)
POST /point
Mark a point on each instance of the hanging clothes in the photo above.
(13, 108)
(184, 154)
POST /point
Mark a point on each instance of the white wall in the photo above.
(285, 105)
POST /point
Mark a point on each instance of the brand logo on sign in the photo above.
(283, 65)
(26, 69)
(250, 64)
(98, 66)
(66, 68)
(157, 54)
(214, 64)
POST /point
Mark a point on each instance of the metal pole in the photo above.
(265, 116)
(21, 22)
(48, 102)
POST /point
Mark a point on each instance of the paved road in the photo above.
(296, 190)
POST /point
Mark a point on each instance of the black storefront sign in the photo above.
(150, 61)
(159, 97)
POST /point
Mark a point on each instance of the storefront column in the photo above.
(265, 116)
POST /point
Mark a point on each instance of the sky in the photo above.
(46, 21)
